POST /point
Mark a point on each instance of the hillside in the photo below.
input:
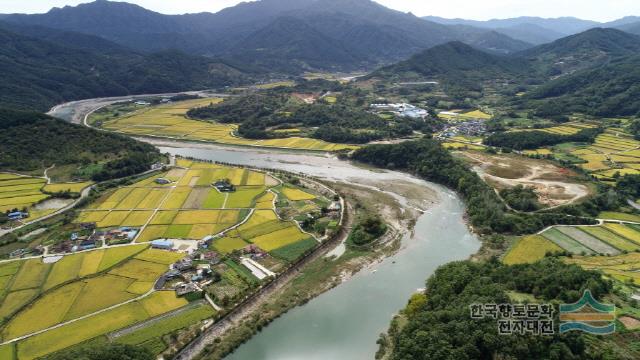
(608, 90)
(38, 74)
(580, 51)
(33, 141)
(346, 31)
(458, 67)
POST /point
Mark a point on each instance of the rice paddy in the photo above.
(20, 192)
(622, 267)
(127, 273)
(112, 287)
(170, 121)
(530, 249)
(612, 154)
(297, 194)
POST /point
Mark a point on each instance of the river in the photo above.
(345, 322)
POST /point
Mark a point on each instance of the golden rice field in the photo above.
(188, 208)
(458, 146)
(18, 192)
(94, 326)
(297, 194)
(613, 153)
(126, 276)
(27, 279)
(23, 192)
(622, 267)
(529, 249)
(457, 115)
(170, 121)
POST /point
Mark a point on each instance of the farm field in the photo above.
(170, 121)
(622, 267)
(612, 153)
(18, 192)
(115, 276)
(609, 238)
(112, 287)
(89, 328)
(25, 192)
(530, 249)
(187, 208)
(153, 333)
(117, 273)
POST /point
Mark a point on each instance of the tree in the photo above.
(105, 352)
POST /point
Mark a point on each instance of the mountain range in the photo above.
(296, 35)
(537, 30)
(38, 74)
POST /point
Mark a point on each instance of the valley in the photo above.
(317, 179)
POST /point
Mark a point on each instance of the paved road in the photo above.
(75, 111)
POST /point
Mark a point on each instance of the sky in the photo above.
(599, 10)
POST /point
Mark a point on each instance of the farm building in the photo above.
(162, 181)
(17, 215)
(224, 186)
(162, 244)
(186, 288)
(335, 206)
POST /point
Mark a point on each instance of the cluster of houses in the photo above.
(401, 109)
(190, 274)
(465, 128)
(88, 238)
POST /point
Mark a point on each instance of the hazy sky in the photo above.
(602, 10)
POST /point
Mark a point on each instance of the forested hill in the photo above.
(38, 74)
(438, 325)
(592, 47)
(34, 141)
(459, 67)
(454, 58)
(608, 90)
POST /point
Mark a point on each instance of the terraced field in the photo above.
(170, 121)
(613, 152)
(622, 267)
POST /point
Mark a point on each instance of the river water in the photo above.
(345, 322)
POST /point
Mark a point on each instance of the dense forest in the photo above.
(429, 160)
(439, 325)
(608, 90)
(33, 141)
(525, 140)
(37, 74)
